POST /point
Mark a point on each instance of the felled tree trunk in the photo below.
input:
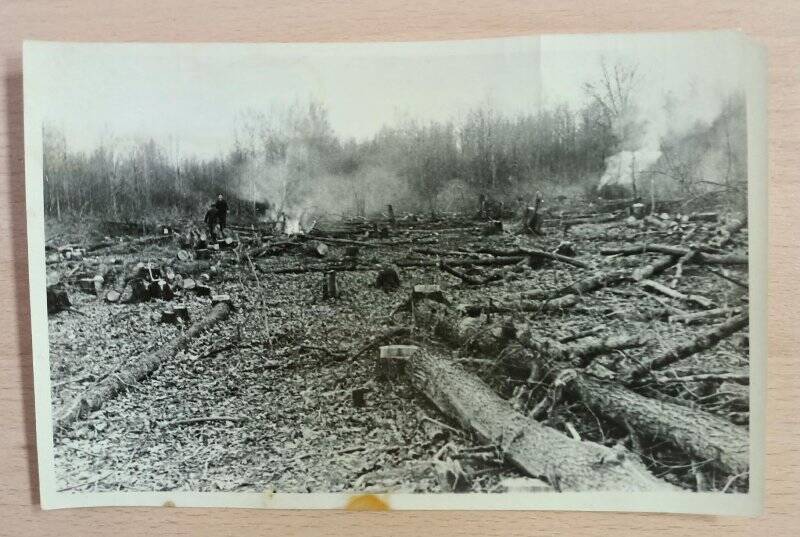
(567, 464)
(137, 369)
(496, 262)
(728, 231)
(700, 257)
(705, 436)
(509, 252)
(689, 347)
(697, 432)
(534, 306)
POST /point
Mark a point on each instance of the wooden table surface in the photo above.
(776, 24)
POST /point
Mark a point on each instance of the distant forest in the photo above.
(292, 160)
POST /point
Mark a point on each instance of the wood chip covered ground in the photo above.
(593, 350)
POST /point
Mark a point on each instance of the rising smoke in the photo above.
(646, 122)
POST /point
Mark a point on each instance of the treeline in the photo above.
(293, 161)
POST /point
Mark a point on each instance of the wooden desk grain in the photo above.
(774, 23)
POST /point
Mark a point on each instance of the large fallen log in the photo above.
(704, 436)
(579, 287)
(511, 305)
(338, 267)
(467, 279)
(496, 262)
(125, 247)
(567, 464)
(599, 280)
(531, 252)
(698, 433)
(728, 231)
(673, 293)
(679, 251)
(137, 368)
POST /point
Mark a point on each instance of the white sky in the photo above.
(189, 96)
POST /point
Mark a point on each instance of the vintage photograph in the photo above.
(513, 266)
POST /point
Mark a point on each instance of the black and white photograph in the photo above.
(516, 273)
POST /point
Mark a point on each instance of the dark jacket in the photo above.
(211, 216)
(222, 208)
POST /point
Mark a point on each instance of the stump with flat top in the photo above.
(169, 316)
(182, 312)
(428, 292)
(391, 360)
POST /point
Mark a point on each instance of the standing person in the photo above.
(222, 212)
(212, 219)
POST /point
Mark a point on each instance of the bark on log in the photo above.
(728, 231)
(338, 267)
(467, 279)
(687, 348)
(511, 305)
(679, 251)
(497, 262)
(699, 433)
(473, 334)
(702, 435)
(599, 219)
(567, 464)
(531, 252)
(672, 293)
(579, 287)
(656, 267)
(136, 369)
(125, 247)
(704, 315)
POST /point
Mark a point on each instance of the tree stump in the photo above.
(182, 312)
(358, 397)
(169, 316)
(330, 291)
(139, 291)
(161, 289)
(428, 292)
(388, 279)
(202, 290)
(391, 360)
(637, 210)
(57, 300)
(183, 255)
(189, 284)
(91, 285)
